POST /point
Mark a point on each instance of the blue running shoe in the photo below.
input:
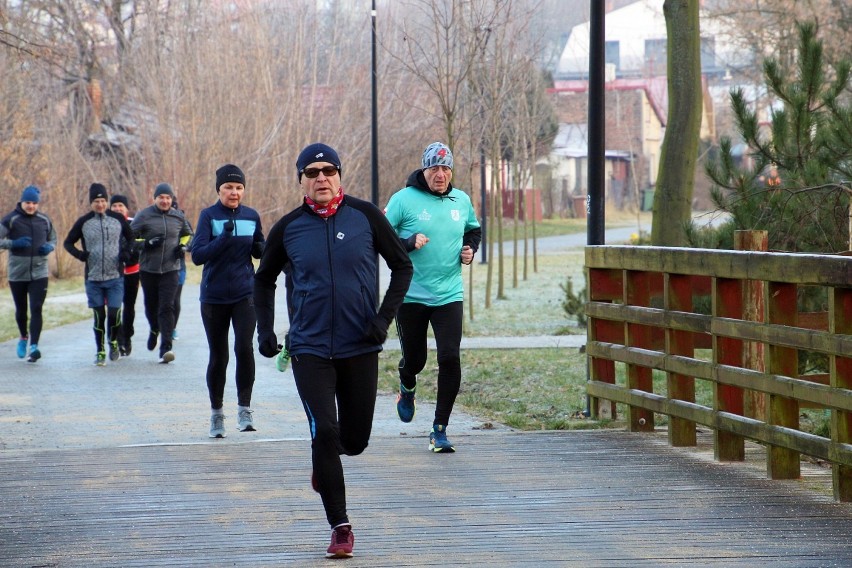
(35, 354)
(22, 347)
(438, 441)
(405, 406)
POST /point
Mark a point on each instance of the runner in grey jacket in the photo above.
(29, 237)
(164, 234)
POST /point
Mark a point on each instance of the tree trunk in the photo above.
(673, 197)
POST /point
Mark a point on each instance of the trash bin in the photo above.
(647, 200)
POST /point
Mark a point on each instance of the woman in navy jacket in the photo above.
(328, 248)
(227, 235)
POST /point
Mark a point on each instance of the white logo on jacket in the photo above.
(455, 214)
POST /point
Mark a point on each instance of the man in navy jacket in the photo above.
(328, 248)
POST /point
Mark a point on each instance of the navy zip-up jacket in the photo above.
(25, 264)
(228, 275)
(331, 267)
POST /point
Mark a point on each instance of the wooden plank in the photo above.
(679, 386)
(840, 309)
(728, 303)
(504, 499)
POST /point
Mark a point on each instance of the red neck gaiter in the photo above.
(327, 210)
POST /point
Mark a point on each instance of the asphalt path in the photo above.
(65, 401)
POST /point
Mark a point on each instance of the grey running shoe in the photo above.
(245, 422)
(167, 357)
(217, 425)
(113, 351)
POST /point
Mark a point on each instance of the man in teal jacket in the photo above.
(438, 226)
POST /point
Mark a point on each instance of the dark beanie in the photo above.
(31, 193)
(164, 189)
(119, 199)
(229, 173)
(316, 152)
(97, 190)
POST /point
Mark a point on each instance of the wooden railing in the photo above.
(642, 314)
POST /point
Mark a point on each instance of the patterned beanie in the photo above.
(437, 154)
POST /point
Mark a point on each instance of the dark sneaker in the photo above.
(35, 354)
(152, 339)
(167, 357)
(244, 421)
(342, 542)
(22, 347)
(123, 350)
(217, 425)
(113, 351)
(405, 406)
(100, 359)
(438, 441)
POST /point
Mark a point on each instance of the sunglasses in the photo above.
(327, 171)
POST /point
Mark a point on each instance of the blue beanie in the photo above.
(31, 193)
(437, 154)
(316, 152)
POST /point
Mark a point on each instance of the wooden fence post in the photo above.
(754, 405)
(782, 308)
(840, 321)
(604, 286)
(637, 292)
(728, 303)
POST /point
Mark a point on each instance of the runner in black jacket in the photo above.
(328, 250)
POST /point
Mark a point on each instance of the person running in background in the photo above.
(228, 234)
(119, 204)
(107, 243)
(29, 236)
(164, 233)
(438, 226)
(328, 249)
(181, 277)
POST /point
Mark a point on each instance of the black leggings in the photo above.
(37, 291)
(113, 325)
(128, 310)
(339, 396)
(217, 320)
(412, 323)
(159, 295)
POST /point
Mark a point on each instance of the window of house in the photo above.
(655, 56)
(612, 53)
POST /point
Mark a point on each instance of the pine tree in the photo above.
(795, 190)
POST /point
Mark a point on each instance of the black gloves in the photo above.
(21, 242)
(267, 344)
(377, 330)
(84, 255)
(180, 250)
(45, 249)
(257, 249)
(228, 227)
(153, 242)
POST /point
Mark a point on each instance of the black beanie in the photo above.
(164, 189)
(229, 173)
(97, 190)
(317, 152)
(119, 199)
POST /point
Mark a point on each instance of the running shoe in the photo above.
(405, 406)
(244, 421)
(342, 542)
(438, 441)
(100, 359)
(167, 357)
(22, 347)
(152, 339)
(217, 425)
(175, 335)
(35, 354)
(113, 351)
